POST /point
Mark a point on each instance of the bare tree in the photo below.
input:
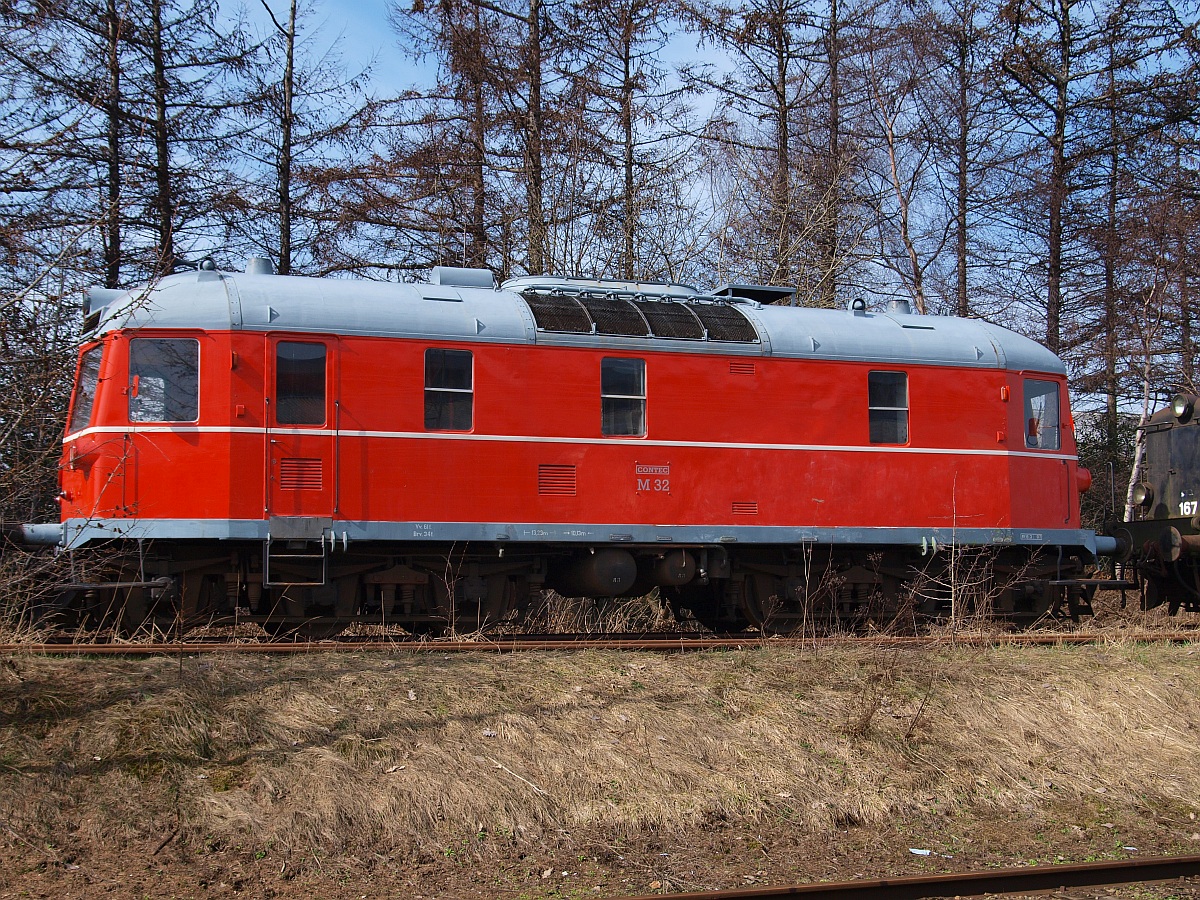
(760, 99)
(303, 123)
(632, 138)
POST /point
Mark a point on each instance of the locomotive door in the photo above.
(1048, 482)
(301, 407)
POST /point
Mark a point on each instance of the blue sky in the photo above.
(365, 30)
(365, 35)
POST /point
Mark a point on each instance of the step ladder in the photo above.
(290, 556)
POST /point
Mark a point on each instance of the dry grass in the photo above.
(453, 755)
(27, 578)
(555, 614)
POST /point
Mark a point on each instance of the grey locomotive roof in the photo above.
(214, 300)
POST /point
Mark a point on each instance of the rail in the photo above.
(530, 643)
(969, 884)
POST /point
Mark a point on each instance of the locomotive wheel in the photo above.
(764, 605)
(1152, 594)
(134, 612)
(313, 630)
(290, 618)
(702, 602)
(501, 593)
(470, 616)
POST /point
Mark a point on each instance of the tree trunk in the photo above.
(962, 184)
(1058, 181)
(164, 200)
(783, 163)
(286, 121)
(112, 108)
(533, 162)
(1111, 248)
(629, 217)
(832, 185)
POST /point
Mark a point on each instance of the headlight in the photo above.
(1143, 494)
(1181, 407)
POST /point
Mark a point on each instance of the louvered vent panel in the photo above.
(670, 320)
(556, 481)
(554, 313)
(724, 323)
(745, 509)
(741, 368)
(301, 474)
(615, 315)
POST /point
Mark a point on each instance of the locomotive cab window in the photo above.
(1041, 415)
(623, 397)
(86, 383)
(299, 383)
(887, 402)
(449, 390)
(164, 380)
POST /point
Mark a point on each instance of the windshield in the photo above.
(85, 389)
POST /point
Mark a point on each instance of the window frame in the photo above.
(607, 399)
(443, 390)
(134, 388)
(277, 404)
(84, 354)
(872, 420)
(1034, 442)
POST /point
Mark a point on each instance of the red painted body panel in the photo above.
(536, 405)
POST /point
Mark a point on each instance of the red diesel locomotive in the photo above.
(287, 448)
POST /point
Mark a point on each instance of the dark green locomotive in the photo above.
(1162, 539)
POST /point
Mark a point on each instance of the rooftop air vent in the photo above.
(96, 298)
(758, 293)
(451, 276)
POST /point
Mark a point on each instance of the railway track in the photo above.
(527, 643)
(970, 884)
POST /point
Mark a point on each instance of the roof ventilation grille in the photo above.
(627, 314)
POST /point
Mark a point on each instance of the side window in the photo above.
(85, 389)
(1041, 415)
(887, 401)
(449, 390)
(299, 383)
(164, 380)
(623, 397)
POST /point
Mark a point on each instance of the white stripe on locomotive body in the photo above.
(223, 301)
(530, 439)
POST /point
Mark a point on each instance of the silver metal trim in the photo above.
(81, 531)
